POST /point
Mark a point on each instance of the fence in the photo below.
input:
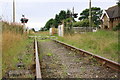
(68, 30)
(80, 29)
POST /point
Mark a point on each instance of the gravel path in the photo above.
(59, 62)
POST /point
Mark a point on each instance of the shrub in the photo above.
(83, 23)
(117, 27)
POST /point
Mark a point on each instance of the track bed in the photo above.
(59, 62)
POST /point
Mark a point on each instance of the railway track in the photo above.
(38, 70)
(105, 62)
(23, 72)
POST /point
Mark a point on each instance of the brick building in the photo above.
(111, 17)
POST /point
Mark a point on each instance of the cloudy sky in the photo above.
(40, 11)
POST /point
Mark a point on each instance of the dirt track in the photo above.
(59, 62)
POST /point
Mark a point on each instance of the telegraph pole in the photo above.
(73, 11)
(13, 10)
(72, 17)
(90, 14)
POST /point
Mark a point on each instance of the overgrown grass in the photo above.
(10, 50)
(103, 43)
(12, 27)
(12, 45)
(0, 50)
(13, 41)
(42, 33)
(0, 57)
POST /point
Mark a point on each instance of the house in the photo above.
(111, 17)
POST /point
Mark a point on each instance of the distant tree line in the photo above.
(59, 18)
(84, 17)
(69, 21)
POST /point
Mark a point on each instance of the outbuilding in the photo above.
(111, 17)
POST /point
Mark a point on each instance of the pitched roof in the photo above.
(113, 12)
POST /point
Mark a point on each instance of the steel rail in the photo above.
(105, 62)
(38, 70)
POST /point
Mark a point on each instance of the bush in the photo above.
(117, 27)
(83, 23)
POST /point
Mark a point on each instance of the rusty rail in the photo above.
(106, 62)
(38, 70)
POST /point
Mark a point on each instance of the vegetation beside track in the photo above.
(103, 43)
(41, 33)
(0, 57)
(59, 62)
(14, 43)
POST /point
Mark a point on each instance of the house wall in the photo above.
(116, 21)
(105, 22)
(109, 23)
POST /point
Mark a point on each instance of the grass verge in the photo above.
(11, 47)
(14, 43)
(0, 50)
(42, 33)
(103, 43)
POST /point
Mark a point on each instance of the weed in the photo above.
(13, 41)
(77, 60)
(42, 34)
(49, 54)
(82, 69)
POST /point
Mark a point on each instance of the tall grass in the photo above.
(0, 50)
(103, 43)
(11, 33)
(12, 27)
(41, 33)
(9, 38)
(12, 41)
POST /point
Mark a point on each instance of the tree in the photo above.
(33, 29)
(56, 21)
(68, 22)
(96, 14)
(62, 15)
(49, 24)
(118, 2)
(42, 29)
(68, 14)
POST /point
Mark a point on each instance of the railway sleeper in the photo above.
(18, 73)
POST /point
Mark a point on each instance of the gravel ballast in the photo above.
(59, 62)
